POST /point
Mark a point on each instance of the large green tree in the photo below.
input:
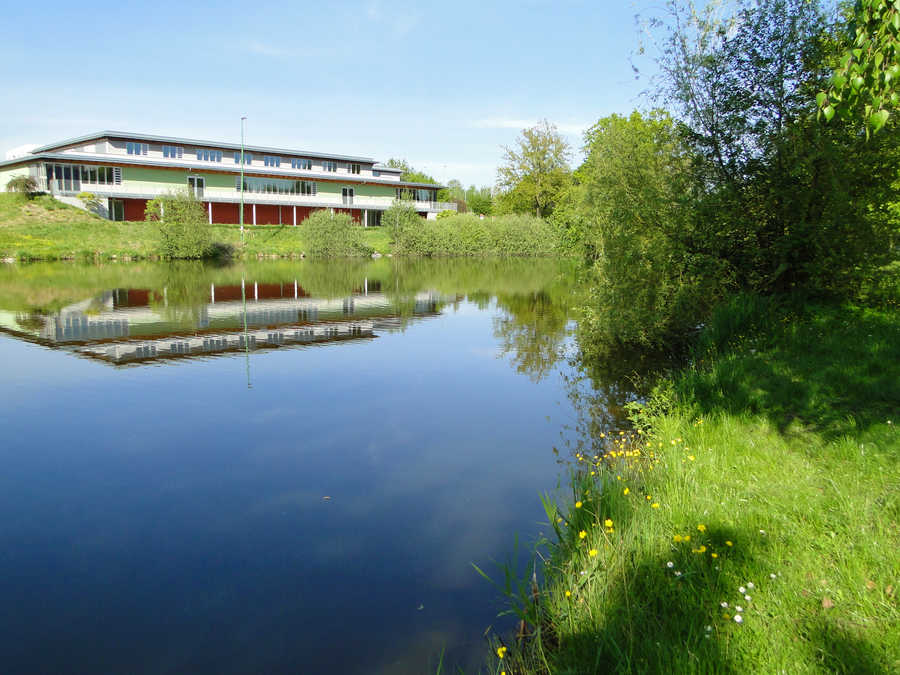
(784, 200)
(535, 171)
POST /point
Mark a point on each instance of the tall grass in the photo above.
(748, 522)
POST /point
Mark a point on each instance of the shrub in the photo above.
(331, 235)
(23, 184)
(468, 235)
(182, 224)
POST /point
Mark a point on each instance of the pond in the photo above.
(274, 467)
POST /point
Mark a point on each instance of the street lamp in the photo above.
(242, 179)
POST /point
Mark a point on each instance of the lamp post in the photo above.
(242, 179)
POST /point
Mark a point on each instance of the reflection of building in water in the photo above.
(139, 325)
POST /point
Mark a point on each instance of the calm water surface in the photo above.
(293, 480)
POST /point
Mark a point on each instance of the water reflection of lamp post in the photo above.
(242, 180)
(246, 337)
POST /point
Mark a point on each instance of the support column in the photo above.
(295, 216)
(212, 294)
(295, 288)
(365, 217)
(254, 214)
(209, 204)
(255, 291)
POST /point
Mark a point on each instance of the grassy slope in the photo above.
(782, 440)
(45, 229)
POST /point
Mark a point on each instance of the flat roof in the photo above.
(194, 141)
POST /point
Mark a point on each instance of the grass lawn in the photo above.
(751, 522)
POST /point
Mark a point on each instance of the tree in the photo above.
(410, 174)
(182, 224)
(783, 200)
(866, 83)
(480, 200)
(534, 173)
(24, 184)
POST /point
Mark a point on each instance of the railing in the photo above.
(216, 195)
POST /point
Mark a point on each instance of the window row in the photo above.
(275, 186)
(69, 178)
(136, 148)
(209, 155)
(172, 151)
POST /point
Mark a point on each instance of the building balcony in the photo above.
(232, 196)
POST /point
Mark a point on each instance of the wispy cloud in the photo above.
(500, 123)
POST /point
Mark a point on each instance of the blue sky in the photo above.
(443, 85)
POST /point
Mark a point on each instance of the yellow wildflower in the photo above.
(626, 491)
(592, 552)
(691, 457)
(714, 555)
(501, 652)
(577, 505)
(677, 538)
(582, 534)
(608, 522)
(687, 537)
(649, 498)
(728, 543)
(654, 505)
(701, 527)
(702, 549)
(568, 594)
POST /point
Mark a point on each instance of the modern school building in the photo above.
(280, 186)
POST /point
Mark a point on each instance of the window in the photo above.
(136, 148)
(248, 158)
(65, 178)
(172, 151)
(270, 160)
(329, 166)
(277, 186)
(353, 168)
(305, 164)
(209, 155)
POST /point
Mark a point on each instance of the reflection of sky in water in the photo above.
(170, 519)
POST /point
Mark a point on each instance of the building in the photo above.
(124, 171)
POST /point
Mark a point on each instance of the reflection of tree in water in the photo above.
(31, 321)
(531, 331)
(601, 389)
(183, 294)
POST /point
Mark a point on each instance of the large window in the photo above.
(329, 166)
(277, 186)
(136, 148)
(248, 158)
(70, 178)
(353, 168)
(209, 155)
(172, 151)
(271, 160)
(305, 164)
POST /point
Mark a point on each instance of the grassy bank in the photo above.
(46, 229)
(749, 523)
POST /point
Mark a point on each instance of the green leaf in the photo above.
(828, 111)
(839, 81)
(857, 82)
(820, 98)
(877, 120)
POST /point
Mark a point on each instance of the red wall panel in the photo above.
(134, 208)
